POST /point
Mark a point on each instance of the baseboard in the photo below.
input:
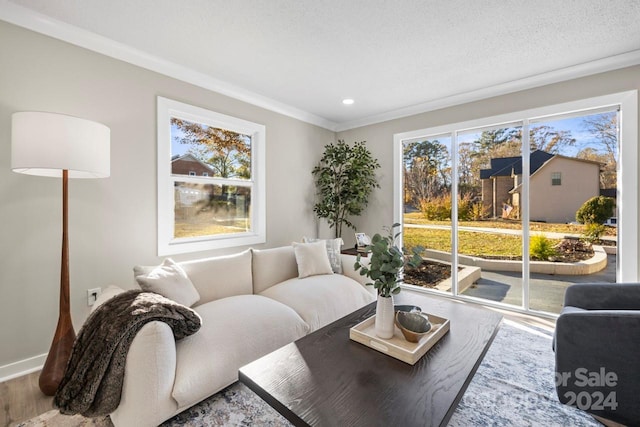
(22, 367)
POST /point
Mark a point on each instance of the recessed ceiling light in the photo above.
(348, 101)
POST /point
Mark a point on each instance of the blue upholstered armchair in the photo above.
(597, 346)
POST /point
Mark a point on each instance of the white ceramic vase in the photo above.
(384, 317)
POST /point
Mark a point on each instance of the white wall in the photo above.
(379, 136)
(112, 224)
(112, 221)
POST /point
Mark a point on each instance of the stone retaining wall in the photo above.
(596, 263)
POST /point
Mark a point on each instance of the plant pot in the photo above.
(385, 312)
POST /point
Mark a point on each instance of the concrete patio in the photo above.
(546, 290)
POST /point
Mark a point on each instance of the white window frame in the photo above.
(627, 201)
(167, 244)
(556, 177)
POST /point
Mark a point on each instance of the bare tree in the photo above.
(546, 138)
(604, 128)
(468, 173)
(608, 173)
(427, 170)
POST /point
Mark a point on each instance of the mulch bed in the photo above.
(573, 250)
(430, 273)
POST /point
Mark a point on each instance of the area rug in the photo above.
(514, 386)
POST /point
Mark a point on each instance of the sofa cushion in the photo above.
(312, 259)
(272, 266)
(169, 280)
(333, 247)
(320, 300)
(234, 332)
(221, 276)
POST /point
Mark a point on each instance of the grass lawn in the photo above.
(479, 243)
(418, 218)
(469, 243)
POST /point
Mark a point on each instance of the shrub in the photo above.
(439, 208)
(596, 210)
(478, 212)
(465, 208)
(541, 248)
(436, 208)
(593, 232)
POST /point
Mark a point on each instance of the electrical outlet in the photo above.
(92, 295)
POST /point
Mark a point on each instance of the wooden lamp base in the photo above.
(62, 343)
(58, 356)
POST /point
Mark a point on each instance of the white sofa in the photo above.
(251, 303)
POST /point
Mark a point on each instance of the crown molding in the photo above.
(34, 21)
(582, 70)
(29, 19)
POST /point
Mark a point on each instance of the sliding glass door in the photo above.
(513, 211)
(427, 208)
(489, 213)
(573, 194)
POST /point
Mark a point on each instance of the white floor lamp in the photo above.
(56, 145)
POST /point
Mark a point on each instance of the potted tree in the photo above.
(345, 177)
(387, 262)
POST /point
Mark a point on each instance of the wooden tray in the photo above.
(397, 346)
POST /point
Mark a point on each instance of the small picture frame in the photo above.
(362, 240)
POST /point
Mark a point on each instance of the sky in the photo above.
(176, 147)
(574, 125)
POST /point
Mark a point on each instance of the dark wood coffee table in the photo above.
(326, 379)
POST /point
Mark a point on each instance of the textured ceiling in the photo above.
(387, 55)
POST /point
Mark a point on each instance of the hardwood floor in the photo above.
(21, 399)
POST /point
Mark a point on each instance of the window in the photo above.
(210, 180)
(447, 178)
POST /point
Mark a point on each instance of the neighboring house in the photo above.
(188, 194)
(188, 164)
(558, 186)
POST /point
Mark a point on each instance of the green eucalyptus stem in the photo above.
(387, 262)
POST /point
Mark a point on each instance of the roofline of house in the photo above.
(601, 164)
(194, 158)
(517, 187)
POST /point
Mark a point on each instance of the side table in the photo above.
(353, 251)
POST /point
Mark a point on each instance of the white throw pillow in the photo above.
(334, 246)
(312, 259)
(169, 280)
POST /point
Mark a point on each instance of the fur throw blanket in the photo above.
(92, 383)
